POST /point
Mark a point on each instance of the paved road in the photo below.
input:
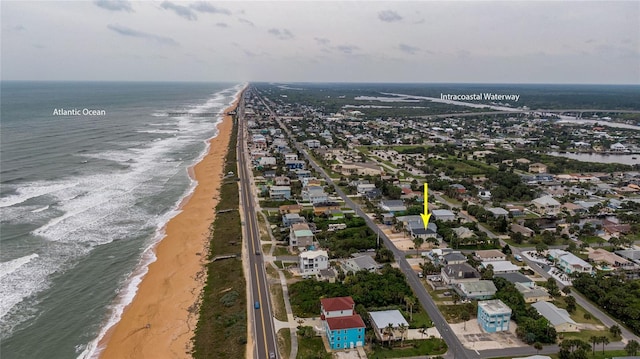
(264, 333)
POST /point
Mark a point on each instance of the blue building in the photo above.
(494, 315)
(343, 328)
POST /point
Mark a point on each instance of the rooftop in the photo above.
(494, 306)
(337, 303)
(554, 315)
(347, 322)
(383, 318)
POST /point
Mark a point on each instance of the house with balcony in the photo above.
(343, 329)
(300, 235)
(546, 206)
(311, 262)
(280, 192)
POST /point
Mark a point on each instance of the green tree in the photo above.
(615, 331)
(388, 331)
(402, 328)
(552, 287)
(571, 303)
(465, 316)
(632, 347)
(594, 341)
(538, 347)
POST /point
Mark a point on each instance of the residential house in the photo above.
(546, 206)
(538, 168)
(363, 188)
(490, 255)
(311, 262)
(280, 192)
(387, 219)
(327, 275)
(516, 278)
(300, 235)
(479, 290)
(266, 162)
(312, 143)
(501, 266)
(290, 208)
(346, 332)
(463, 232)
(336, 307)
(557, 317)
(498, 212)
(380, 321)
(484, 195)
(359, 168)
(533, 294)
(494, 316)
(525, 231)
(443, 215)
(459, 273)
(454, 258)
(611, 259)
(361, 262)
(322, 207)
(291, 218)
(458, 188)
(282, 181)
(295, 164)
(418, 231)
(569, 262)
(393, 206)
(314, 194)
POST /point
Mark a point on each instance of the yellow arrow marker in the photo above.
(426, 215)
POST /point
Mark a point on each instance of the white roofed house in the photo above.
(380, 320)
(393, 206)
(498, 212)
(490, 255)
(443, 215)
(311, 262)
(479, 290)
(546, 205)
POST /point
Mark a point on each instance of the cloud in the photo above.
(114, 5)
(180, 10)
(389, 16)
(204, 6)
(17, 28)
(125, 31)
(283, 34)
(347, 49)
(411, 50)
(322, 41)
(221, 24)
(245, 21)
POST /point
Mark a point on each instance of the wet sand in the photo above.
(161, 319)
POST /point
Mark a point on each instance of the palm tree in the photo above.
(402, 328)
(604, 340)
(465, 316)
(423, 330)
(410, 301)
(538, 347)
(615, 331)
(455, 297)
(388, 331)
(594, 340)
(632, 347)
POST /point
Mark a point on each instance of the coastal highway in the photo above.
(264, 334)
(456, 350)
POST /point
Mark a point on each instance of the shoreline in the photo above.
(160, 320)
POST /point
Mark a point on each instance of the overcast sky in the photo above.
(354, 41)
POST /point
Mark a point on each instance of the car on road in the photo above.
(518, 257)
(256, 305)
(257, 253)
(272, 355)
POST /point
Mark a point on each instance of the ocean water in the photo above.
(83, 200)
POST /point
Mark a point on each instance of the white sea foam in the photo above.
(11, 266)
(95, 209)
(28, 191)
(129, 290)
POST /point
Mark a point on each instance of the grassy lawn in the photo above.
(579, 313)
(281, 251)
(311, 348)
(266, 248)
(278, 264)
(586, 334)
(452, 313)
(277, 298)
(419, 318)
(410, 348)
(598, 355)
(284, 342)
(452, 200)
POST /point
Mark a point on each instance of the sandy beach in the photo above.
(161, 319)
